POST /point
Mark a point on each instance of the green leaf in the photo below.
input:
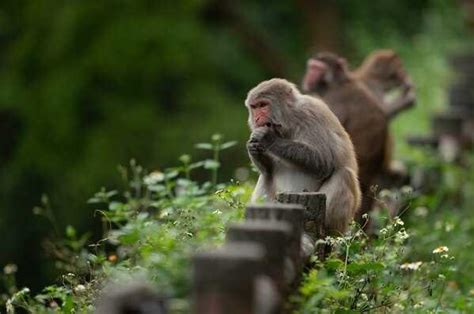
(216, 137)
(228, 145)
(333, 264)
(362, 268)
(196, 165)
(185, 159)
(70, 231)
(211, 164)
(115, 206)
(206, 146)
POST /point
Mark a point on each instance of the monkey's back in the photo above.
(366, 123)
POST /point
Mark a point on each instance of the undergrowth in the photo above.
(418, 262)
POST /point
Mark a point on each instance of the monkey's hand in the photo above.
(409, 95)
(405, 101)
(262, 138)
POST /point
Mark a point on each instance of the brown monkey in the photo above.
(328, 77)
(382, 71)
(298, 145)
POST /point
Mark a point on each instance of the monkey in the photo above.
(328, 77)
(297, 144)
(382, 71)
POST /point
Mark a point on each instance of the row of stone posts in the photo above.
(262, 258)
(453, 129)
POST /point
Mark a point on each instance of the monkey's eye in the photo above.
(259, 104)
(262, 104)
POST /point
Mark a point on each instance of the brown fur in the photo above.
(383, 71)
(303, 148)
(359, 112)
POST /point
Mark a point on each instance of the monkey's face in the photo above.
(270, 104)
(324, 72)
(260, 112)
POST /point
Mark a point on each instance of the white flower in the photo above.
(398, 221)
(154, 178)
(449, 227)
(383, 231)
(10, 269)
(407, 189)
(419, 305)
(385, 193)
(403, 235)
(80, 288)
(441, 249)
(411, 266)
(421, 211)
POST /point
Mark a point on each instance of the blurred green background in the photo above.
(87, 85)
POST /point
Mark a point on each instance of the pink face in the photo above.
(314, 72)
(261, 112)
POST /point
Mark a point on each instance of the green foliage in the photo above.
(93, 84)
(419, 265)
(150, 229)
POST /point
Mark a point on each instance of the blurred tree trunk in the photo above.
(322, 23)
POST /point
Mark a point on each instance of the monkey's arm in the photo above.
(316, 160)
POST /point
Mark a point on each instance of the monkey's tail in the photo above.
(343, 198)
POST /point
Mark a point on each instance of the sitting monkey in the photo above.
(298, 144)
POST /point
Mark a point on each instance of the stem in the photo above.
(346, 260)
(443, 288)
(216, 159)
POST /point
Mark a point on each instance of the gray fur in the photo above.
(305, 148)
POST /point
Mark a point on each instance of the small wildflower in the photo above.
(399, 306)
(385, 193)
(79, 288)
(421, 211)
(154, 178)
(112, 258)
(411, 266)
(365, 216)
(419, 305)
(441, 249)
(10, 269)
(402, 235)
(406, 189)
(449, 227)
(383, 231)
(398, 221)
